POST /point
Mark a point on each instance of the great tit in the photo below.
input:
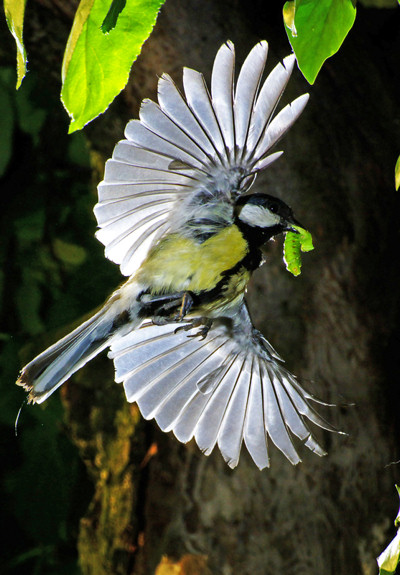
(173, 214)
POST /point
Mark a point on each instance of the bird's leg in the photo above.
(161, 308)
(187, 303)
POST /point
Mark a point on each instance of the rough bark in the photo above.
(336, 326)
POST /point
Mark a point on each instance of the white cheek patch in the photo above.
(258, 216)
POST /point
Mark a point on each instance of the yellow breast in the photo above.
(178, 263)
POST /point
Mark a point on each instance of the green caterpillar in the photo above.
(295, 243)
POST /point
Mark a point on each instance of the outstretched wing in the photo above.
(190, 152)
(226, 389)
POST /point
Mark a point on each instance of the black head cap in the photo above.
(261, 216)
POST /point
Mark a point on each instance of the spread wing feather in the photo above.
(278, 127)
(223, 390)
(199, 101)
(222, 92)
(246, 90)
(174, 106)
(191, 145)
(155, 119)
(268, 98)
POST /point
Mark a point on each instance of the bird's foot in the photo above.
(204, 323)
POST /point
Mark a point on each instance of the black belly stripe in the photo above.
(250, 262)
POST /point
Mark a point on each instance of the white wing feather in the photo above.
(173, 104)
(186, 145)
(246, 90)
(222, 93)
(267, 100)
(223, 390)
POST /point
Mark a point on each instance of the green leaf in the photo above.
(30, 227)
(71, 254)
(96, 66)
(320, 27)
(397, 172)
(110, 21)
(15, 11)
(296, 242)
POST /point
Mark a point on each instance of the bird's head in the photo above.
(260, 217)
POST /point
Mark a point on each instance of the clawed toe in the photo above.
(202, 322)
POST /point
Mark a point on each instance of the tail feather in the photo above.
(55, 365)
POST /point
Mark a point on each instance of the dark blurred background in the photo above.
(87, 486)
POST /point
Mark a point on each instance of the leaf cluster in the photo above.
(107, 36)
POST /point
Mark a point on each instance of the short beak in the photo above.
(291, 224)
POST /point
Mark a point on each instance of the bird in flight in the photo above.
(175, 214)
